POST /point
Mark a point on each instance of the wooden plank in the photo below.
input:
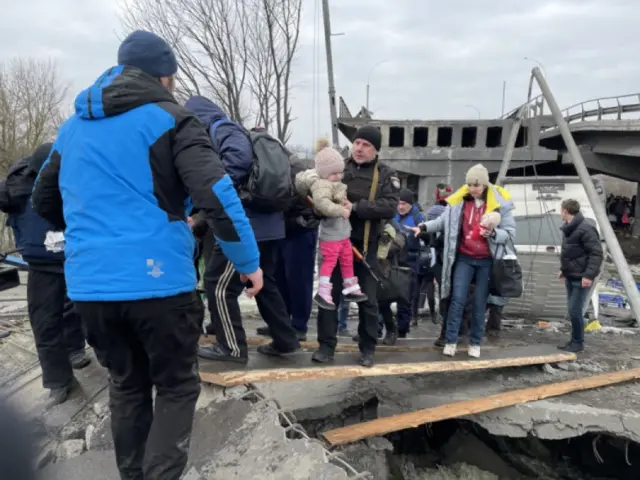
(353, 347)
(381, 426)
(288, 369)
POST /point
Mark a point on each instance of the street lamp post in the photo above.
(476, 109)
(369, 79)
(539, 63)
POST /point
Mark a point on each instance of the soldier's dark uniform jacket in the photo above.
(358, 179)
(124, 194)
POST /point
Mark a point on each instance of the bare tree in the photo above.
(32, 96)
(240, 52)
(31, 106)
(282, 21)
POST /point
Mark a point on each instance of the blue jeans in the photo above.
(576, 298)
(465, 270)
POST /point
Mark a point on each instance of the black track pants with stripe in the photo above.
(223, 286)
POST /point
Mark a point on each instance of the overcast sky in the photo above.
(438, 57)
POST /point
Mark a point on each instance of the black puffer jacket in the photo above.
(358, 179)
(581, 249)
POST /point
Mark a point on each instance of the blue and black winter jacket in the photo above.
(117, 181)
(232, 144)
(411, 219)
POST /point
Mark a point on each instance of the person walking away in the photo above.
(478, 218)
(407, 217)
(372, 199)
(329, 194)
(224, 285)
(57, 327)
(129, 250)
(580, 263)
(295, 262)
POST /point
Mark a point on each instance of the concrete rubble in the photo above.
(236, 436)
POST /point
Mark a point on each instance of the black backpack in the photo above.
(16, 189)
(270, 187)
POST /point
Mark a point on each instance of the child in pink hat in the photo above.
(328, 192)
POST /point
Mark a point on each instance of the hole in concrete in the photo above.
(469, 136)
(396, 136)
(420, 136)
(494, 137)
(445, 136)
(463, 449)
(521, 139)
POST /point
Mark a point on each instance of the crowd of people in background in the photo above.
(135, 181)
(621, 212)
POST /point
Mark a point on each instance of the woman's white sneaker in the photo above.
(449, 349)
(474, 351)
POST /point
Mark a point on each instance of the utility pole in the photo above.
(504, 93)
(332, 87)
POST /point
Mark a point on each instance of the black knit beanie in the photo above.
(407, 196)
(371, 134)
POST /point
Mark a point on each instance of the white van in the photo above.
(539, 240)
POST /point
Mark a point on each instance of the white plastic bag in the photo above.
(54, 242)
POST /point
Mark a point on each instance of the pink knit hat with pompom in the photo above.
(328, 160)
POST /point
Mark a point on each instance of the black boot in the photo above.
(264, 331)
(322, 356)
(271, 350)
(79, 360)
(391, 337)
(218, 353)
(366, 359)
(61, 394)
(572, 347)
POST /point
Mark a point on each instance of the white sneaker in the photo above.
(474, 351)
(449, 349)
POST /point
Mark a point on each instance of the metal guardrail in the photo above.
(598, 108)
(535, 107)
(594, 109)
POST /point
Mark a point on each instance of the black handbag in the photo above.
(395, 286)
(506, 277)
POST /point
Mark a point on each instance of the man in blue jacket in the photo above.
(117, 182)
(56, 326)
(222, 283)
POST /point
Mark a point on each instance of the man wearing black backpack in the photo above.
(222, 283)
(57, 328)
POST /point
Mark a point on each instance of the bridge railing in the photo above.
(613, 108)
(603, 108)
(535, 106)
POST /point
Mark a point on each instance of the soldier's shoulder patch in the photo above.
(395, 182)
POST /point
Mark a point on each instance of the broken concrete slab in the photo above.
(259, 448)
(70, 449)
(232, 438)
(96, 465)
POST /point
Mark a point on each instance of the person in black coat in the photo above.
(57, 327)
(580, 264)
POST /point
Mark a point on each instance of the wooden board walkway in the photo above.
(403, 345)
(381, 426)
(300, 367)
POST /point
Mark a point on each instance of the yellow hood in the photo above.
(494, 195)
